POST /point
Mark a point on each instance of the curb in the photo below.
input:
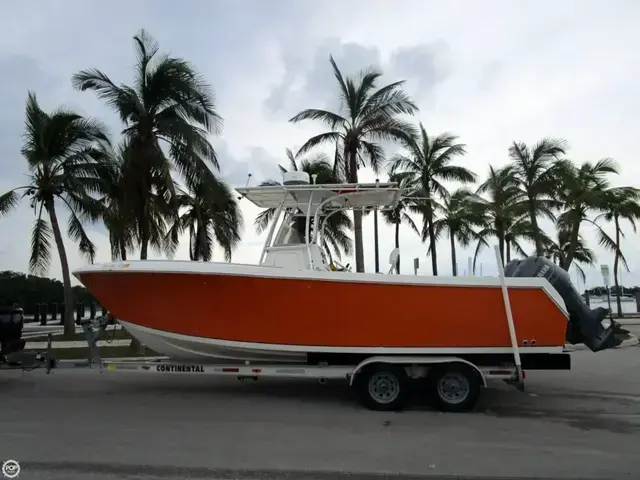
(137, 359)
(629, 342)
(76, 344)
(117, 359)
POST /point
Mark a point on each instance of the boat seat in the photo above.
(393, 260)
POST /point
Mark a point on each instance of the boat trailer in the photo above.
(381, 382)
(452, 383)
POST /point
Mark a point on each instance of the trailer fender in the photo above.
(415, 361)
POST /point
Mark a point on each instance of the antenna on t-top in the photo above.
(240, 197)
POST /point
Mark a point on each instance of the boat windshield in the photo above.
(290, 231)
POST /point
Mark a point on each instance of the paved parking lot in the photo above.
(80, 424)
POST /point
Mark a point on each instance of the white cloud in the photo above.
(491, 72)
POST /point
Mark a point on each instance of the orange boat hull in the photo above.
(323, 313)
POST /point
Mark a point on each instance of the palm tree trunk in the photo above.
(134, 346)
(196, 245)
(398, 245)
(615, 266)
(144, 243)
(573, 244)
(375, 240)
(357, 233)
(432, 248)
(454, 260)
(201, 243)
(69, 324)
(508, 252)
(357, 215)
(536, 230)
(143, 213)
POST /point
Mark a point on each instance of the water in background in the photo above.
(628, 306)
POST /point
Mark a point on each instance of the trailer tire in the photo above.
(453, 387)
(382, 387)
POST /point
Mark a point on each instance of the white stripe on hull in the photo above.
(210, 350)
(204, 350)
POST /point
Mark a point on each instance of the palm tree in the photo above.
(369, 116)
(458, 220)
(63, 151)
(112, 203)
(519, 229)
(557, 250)
(119, 194)
(168, 105)
(427, 163)
(335, 237)
(536, 169)
(505, 212)
(581, 190)
(210, 215)
(399, 214)
(622, 203)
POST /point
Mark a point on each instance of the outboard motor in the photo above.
(591, 327)
(11, 324)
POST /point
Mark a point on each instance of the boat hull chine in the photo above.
(206, 350)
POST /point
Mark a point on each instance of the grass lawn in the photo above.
(105, 353)
(117, 334)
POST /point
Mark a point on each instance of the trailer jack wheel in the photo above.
(382, 387)
(453, 387)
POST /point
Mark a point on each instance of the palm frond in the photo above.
(77, 233)
(124, 101)
(608, 243)
(332, 120)
(8, 201)
(319, 140)
(264, 219)
(40, 258)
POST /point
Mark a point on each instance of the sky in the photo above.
(491, 72)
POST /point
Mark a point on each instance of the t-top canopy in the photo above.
(347, 195)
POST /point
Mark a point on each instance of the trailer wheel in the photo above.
(453, 387)
(382, 387)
